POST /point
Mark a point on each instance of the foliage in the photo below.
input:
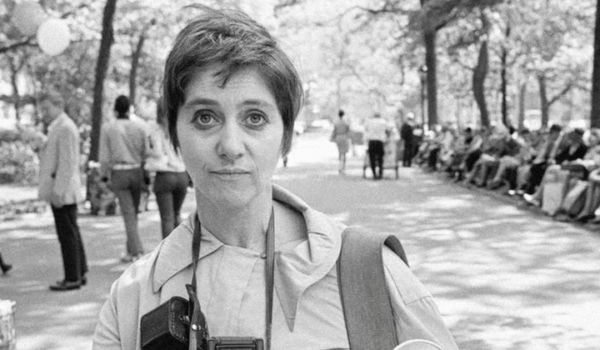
(18, 157)
(360, 55)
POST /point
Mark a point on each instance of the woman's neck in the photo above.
(242, 227)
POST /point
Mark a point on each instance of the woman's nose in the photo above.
(231, 144)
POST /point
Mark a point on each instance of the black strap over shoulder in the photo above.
(364, 293)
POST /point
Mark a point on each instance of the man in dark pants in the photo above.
(375, 133)
(540, 163)
(60, 186)
(407, 136)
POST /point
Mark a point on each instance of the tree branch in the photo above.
(563, 92)
(286, 3)
(26, 42)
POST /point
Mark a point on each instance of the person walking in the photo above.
(407, 137)
(375, 133)
(171, 179)
(59, 185)
(4, 266)
(341, 136)
(123, 150)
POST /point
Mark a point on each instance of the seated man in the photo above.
(544, 156)
(496, 148)
(518, 152)
(460, 148)
(565, 160)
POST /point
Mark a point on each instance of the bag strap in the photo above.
(363, 291)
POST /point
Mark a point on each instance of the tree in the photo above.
(101, 69)
(595, 110)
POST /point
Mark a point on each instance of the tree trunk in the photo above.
(101, 69)
(430, 62)
(15, 87)
(135, 62)
(595, 114)
(544, 102)
(522, 94)
(479, 75)
(504, 83)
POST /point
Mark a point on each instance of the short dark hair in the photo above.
(341, 113)
(236, 42)
(122, 106)
(579, 132)
(54, 97)
(555, 128)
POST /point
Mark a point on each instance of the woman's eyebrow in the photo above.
(257, 102)
(200, 101)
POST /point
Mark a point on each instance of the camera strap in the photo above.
(198, 328)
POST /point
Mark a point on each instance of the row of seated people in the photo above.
(557, 169)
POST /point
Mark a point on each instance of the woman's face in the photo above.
(230, 137)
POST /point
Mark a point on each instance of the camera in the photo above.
(235, 343)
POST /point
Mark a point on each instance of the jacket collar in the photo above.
(57, 121)
(296, 269)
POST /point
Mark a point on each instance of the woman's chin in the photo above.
(232, 198)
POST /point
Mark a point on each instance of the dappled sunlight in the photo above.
(102, 262)
(65, 327)
(491, 266)
(30, 234)
(449, 203)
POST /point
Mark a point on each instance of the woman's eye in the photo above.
(256, 119)
(204, 119)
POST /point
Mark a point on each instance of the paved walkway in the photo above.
(504, 278)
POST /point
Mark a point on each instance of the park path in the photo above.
(504, 278)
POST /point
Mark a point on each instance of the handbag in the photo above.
(575, 199)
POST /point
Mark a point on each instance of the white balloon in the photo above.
(53, 36)
(28, 16)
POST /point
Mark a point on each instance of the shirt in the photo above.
(307, 311)
(375, 129)
(163, 156)
(123, 141)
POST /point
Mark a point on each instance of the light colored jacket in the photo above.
(123, 142)
(60, 182)
(307, 311)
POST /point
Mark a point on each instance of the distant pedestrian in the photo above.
(341, 136)
(407, 137)
(171, 179)
(123, 150)
(4, 266)
(375, 133)
(145, 194)
(59, 184)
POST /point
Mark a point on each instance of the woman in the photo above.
(171, 179)
(231, 97)
(341, 137)
(123, 150)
